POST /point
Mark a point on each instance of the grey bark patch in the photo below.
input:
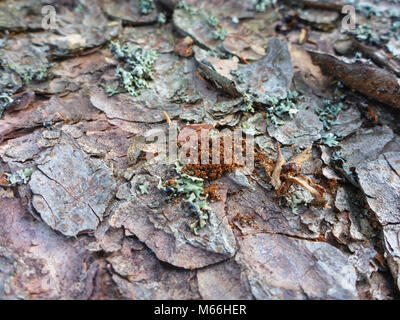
(21, 149)
(170, 76)
(381, 185)
(279, 267)
(270, 76)
(380, 181)
(71, 191)
(348, 121)
(158, 37)
(128, 12)
(194, 24)
(365, 144)
(139, 275)
(20, 15)
(165, 228)
(24, 57)
(302, 131)
(223, 281)
(86, 27)
(148, 108)
(39, 263)
(392, 247)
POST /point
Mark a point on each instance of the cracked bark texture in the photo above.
(82, 227)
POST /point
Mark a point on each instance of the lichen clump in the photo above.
(329, 113)
(262, 5)
(5, 103)
(280, 109)
(146, 6)
(183, 5)
(135, 67)
(219, 34)
(192, 188)
(20, 177)
(329, 139)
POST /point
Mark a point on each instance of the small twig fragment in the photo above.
(276, 175)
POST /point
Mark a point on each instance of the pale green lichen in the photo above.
(161, 18)
(329, 139)
(20, 177)
(5, 103)
(183, 5)
(28, 74)
(262, 5)
(292, 202)
(219, 34)
(143, 188)
(192, 188)
(135, 67)
(329, 113)
(212, 21)
(365, 33)
(146, 6)
(280, 109)
(239, 76)
(248, 103)
(111, 91)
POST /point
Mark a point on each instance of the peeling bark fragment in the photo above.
(267, 216)
(375, 83)
(365, 144)
(380, 181)
(39, 263)
(72, 108)
(392, 247)
(26, 59)
(243, 47)
(173, 285)
(195, 26)
(347, 122)
(159, 38)
(381, 184)
(270, 76)
(319, 19)
(218, 71)
(85, 27)
(21, 15)
(276, 174)
(71, 191)
(80, 25)
(22, 100)
(335, 5)
(192, 20)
